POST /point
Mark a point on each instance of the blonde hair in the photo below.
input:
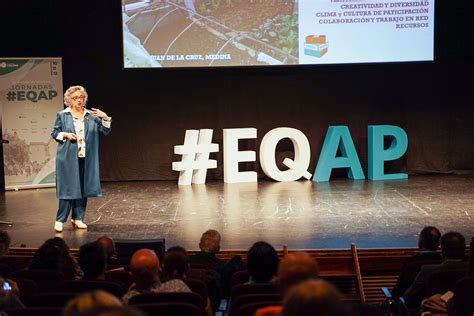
(312, 297)
(89, 301)
(71, 90)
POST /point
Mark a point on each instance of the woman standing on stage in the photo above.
(77, 159)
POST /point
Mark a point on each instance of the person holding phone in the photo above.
(9, 295)
(77, 130)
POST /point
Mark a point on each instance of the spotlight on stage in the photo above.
(126, 247)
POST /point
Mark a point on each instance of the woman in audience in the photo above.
(262, 263)
(54, 254)
(175, 265)
(93, 261)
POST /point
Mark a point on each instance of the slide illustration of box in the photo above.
(315, 45)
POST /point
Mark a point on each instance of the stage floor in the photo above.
(302, 215)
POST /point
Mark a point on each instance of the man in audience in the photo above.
(210, 246)
(145, 268)
(428, 243)
(294, 268)
(262, 263)
(453, 250)
(109, 246)
(93, 261)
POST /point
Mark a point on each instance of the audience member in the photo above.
(70, 266)
(312, 297)
(294, 269)
(93, 261)
(470, 271)
(86, 303)
(262, 263)
(4, 247)
(453, 249)
(175, 264)
(428, 243)
(109, 246)
(4, 243)
(9, 295)
(145, 268)
(210, 246)
(54, 254)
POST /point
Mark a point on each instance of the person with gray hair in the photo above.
(76, 130)
(145, 267)
(210, 244)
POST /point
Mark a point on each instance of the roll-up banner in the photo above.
(30, 96)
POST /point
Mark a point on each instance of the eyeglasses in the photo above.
(78, 98)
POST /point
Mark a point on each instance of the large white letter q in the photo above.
(298, 167)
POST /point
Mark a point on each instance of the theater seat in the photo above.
(174, 297)
(46, 280)
(257, 288)
(51, 300)
(198, 287)
(443, 281)
(238, 302)
(35, 311)
(463, 300)
(239, 277)
(80, 286)
(251, 308)
(170, 309)
(28, 289)
(120, 276)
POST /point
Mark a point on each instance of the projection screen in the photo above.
(215, 33)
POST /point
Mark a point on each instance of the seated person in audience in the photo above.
(428, 243)
(87, 303)
(175, 264)
(174, 269)
(470, 271)
(210, 246)
(313, 297)
(71, 269)
(4, 247)
(9, 295)
(453, 249)
(109, 246)
(145, 268)
(294, 269)
(262, 263)
(93, 261)
(54, 254)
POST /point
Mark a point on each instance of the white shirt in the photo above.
(80, 132)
